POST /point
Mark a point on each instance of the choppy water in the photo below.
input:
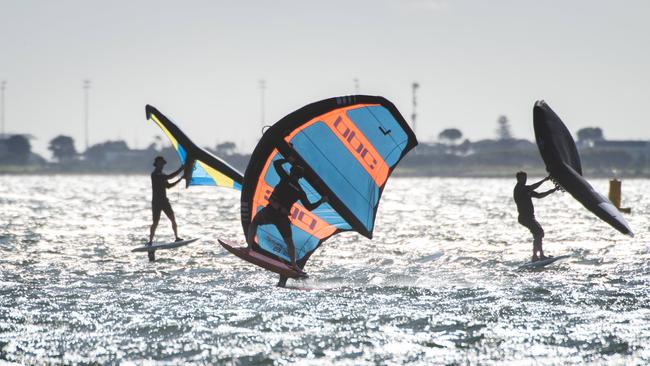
(438, 284)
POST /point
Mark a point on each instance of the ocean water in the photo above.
(439, 282)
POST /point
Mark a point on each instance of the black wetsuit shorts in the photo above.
(269, 215)
(161, 205)
(532, 225)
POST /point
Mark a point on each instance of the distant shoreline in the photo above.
(400, 172)
(480, 159)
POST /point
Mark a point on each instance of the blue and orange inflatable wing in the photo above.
(202, 168)
(348, 147)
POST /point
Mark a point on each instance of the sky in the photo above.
(200, 62)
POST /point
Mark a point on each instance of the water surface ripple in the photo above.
(439, 283)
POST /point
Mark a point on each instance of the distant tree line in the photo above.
(113, 156)
(452, 154)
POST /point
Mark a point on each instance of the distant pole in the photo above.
(3, 85)
(414, 115)
(262, 105)
(356, 86)
(86, 87)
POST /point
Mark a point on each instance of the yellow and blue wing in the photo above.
(207, 169)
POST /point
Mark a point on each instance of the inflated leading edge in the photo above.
(560, 155)
(202, 168)
(348, 147)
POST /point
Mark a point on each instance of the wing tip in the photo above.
(149, 110)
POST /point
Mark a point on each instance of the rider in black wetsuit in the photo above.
(522, 195)
(285, 194)
(159, 202)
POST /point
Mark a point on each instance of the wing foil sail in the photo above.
(562, 160)
(348, 147)
(202, 168)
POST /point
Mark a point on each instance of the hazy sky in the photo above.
(200, 62)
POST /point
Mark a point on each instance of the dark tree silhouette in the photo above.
(503, 128)
(62, 148)
(590, 134)
(450, 134)
(225, 148)
(18, 149)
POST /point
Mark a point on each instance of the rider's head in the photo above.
(521, 177)
(159, 162)
(297, 172)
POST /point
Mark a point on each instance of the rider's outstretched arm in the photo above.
(169, 185)
(279, 169)
(176, 172)
(311, 206)
(536, 185)
(543, 194)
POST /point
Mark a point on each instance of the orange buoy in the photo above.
(615, 195)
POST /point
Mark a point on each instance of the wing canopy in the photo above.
(562, 160)
(553, 138)
(348, 147)
(202, 168)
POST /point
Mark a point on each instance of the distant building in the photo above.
(428, 148)
(634, 148)
(481, 146)
(132, 155)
